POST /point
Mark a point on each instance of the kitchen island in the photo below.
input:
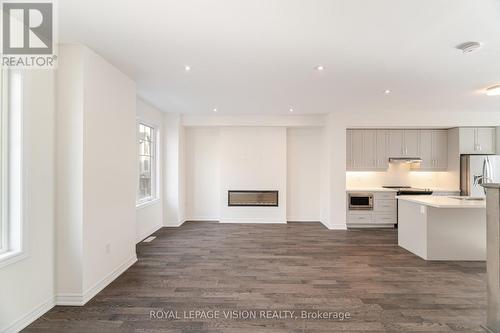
(442, 227)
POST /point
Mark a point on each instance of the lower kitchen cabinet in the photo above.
(384, 213)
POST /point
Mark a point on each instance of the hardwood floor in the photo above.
(299, 266)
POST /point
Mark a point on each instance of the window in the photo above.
(11, 230)
(3, 161)
(148, 168)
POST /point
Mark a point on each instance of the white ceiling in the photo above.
(258, 56)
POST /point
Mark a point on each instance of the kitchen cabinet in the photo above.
(477, 140)
(366, 150)
(384, 213)
(434, 149)
(382, 150)
(440, 149)
(396, 145)
(369, 149)
(356, 149)
(404, 143)
(349, 150)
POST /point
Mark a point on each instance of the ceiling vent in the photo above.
(469, 47)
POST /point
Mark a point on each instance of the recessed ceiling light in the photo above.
(387, 92)
(291, 110)
(493, 90)
(320, 68)
(469, 47)
(187, 68)
(215, 110)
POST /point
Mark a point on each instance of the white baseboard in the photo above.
(335, 226)
(174, 224)
(303, 220)
(203, 219)
(148, 233)
(253, 220)
(82, 299)
(30, 317)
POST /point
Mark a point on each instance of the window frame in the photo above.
(155, 166)
(4, 154)
(13, 173)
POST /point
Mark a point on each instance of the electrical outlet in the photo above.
(108, 248)
(422, 209)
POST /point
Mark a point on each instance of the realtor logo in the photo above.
(28, 34)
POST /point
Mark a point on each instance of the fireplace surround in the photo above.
(252, 198)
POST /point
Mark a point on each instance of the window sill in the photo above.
(147, 203)
(12, 257)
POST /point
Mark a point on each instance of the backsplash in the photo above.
(400, 174)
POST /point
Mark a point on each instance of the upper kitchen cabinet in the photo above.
(477, 140)
(355, 150)
(434, 149)
(404, 143)
(382, 149)
(366, 150)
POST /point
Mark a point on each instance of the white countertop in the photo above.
(381, 189)
(370, 189)
(442, 201)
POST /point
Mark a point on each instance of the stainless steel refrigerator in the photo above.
(476, 170)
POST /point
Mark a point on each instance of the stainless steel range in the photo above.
(408, 190)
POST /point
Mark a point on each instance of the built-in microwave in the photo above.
(360, 201)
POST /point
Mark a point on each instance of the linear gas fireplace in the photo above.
(252, 198)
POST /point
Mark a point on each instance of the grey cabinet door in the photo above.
(467, 137)
(382, 147)
(485, 140)
(426, 149)
(369, 149)
(411, 143)
(440, 149)
(357, 149)
(396, 138)
(349, 150)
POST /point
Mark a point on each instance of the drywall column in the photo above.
(333, 194)
(96, 174)
(493, 256)
(174, 170)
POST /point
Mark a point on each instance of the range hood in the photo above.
(405, 160)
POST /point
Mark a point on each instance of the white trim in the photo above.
(155, 159)
(82, 299)
(4, 148)
(335, 226)
(303, 219)
(203, 219)
(18, 202)
(147, 203)
(254, 220)
(11, 257)
(30, 317)
(174, 224)
(148, 233)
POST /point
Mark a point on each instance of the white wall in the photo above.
(303, 173)
(97, 167)
(149, 217)
(27, 286)
(202, 174)
(69, 209)
(109, 172)
(174, 182)
(253, 158)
